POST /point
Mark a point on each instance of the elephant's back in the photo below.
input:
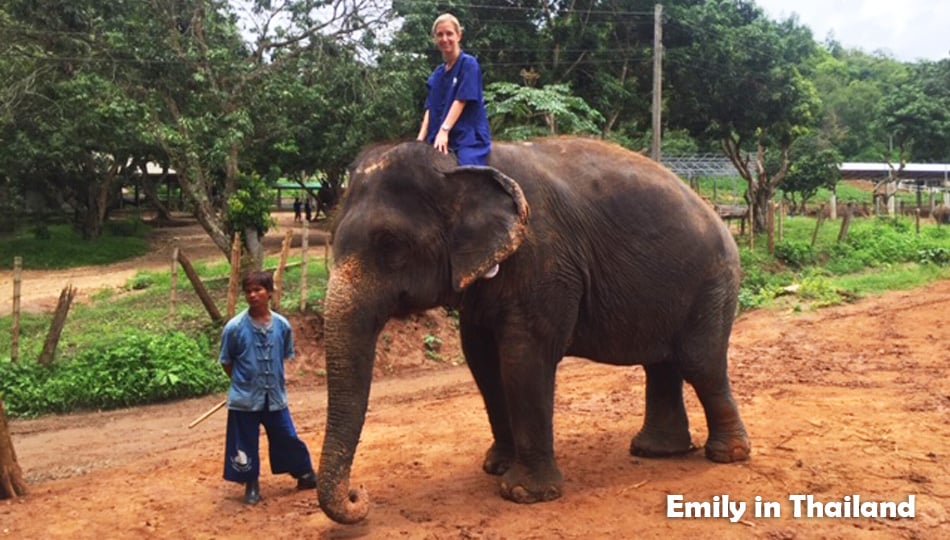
(597, 178)
(622, 214)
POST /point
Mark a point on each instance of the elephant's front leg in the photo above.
(528, 381)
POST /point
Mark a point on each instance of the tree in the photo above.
(915, 115)
(11, 477)
(601, 51)
(852, 85)
(204, 84)
(741, 82)
(68, 138)
(333, 105)
(249, 212)
(814, 165)
(520, 112)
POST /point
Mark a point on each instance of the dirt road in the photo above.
(851, 401)
(39, 289)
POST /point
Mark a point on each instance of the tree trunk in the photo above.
(150, 187)
(205, 212)
(195, 184)
(255, 251)
(11, 477)
(97, 199)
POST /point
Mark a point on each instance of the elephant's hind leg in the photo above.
(703, 361)
(481, 354)
(665, 430)
(728, 440)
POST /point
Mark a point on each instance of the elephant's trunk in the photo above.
(351, 330)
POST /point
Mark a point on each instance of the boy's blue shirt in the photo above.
(257, 362)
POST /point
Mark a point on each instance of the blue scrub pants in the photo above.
(472, 155)
(288, 454)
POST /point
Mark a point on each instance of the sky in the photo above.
(909, 30)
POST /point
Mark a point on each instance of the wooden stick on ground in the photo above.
(205, 416)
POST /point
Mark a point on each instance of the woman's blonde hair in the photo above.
(447, 17)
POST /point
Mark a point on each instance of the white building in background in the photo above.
(931, 178)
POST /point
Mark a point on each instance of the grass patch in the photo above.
(892, 278)
(812, 267)
(59, 246)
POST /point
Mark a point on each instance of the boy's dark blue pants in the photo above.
(288, 454)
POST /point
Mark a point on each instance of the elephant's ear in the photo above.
(491, 215)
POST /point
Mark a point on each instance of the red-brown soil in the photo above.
(845, 401)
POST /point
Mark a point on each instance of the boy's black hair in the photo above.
(264, 279)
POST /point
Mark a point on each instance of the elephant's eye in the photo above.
(391, 251)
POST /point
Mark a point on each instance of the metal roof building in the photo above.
(931, 174)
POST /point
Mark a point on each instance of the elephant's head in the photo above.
(413, 232)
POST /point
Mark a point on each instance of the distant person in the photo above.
(254, 346)
(308, 210)
(297, 206)
(455, 118)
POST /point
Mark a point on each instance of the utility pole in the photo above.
(657, 79)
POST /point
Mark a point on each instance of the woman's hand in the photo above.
(442, 141)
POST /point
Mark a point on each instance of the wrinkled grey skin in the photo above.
(603, 254)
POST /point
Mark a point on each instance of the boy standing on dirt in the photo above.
(254, 346)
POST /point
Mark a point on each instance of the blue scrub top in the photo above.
(469, 137)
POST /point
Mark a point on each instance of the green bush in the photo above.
(141, 280)
(818, 289)
(134, 369)
(794, 253)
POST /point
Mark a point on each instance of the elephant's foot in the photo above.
(729, 447)
(661, 444)
(497, 461)
(522, 487)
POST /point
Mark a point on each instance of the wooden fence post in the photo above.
(173, 289)
(279, 274)
(770, 224)
(752, 226)
(821, 219)
(781, 220)
(15, 329)
(304, 240)
(234, 276)
(845, 223)
(199, 287)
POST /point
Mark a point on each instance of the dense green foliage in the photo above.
(824, 273)
(250, 206)
(120, 370)
(216, 89)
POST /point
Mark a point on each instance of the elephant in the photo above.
(561, 246)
